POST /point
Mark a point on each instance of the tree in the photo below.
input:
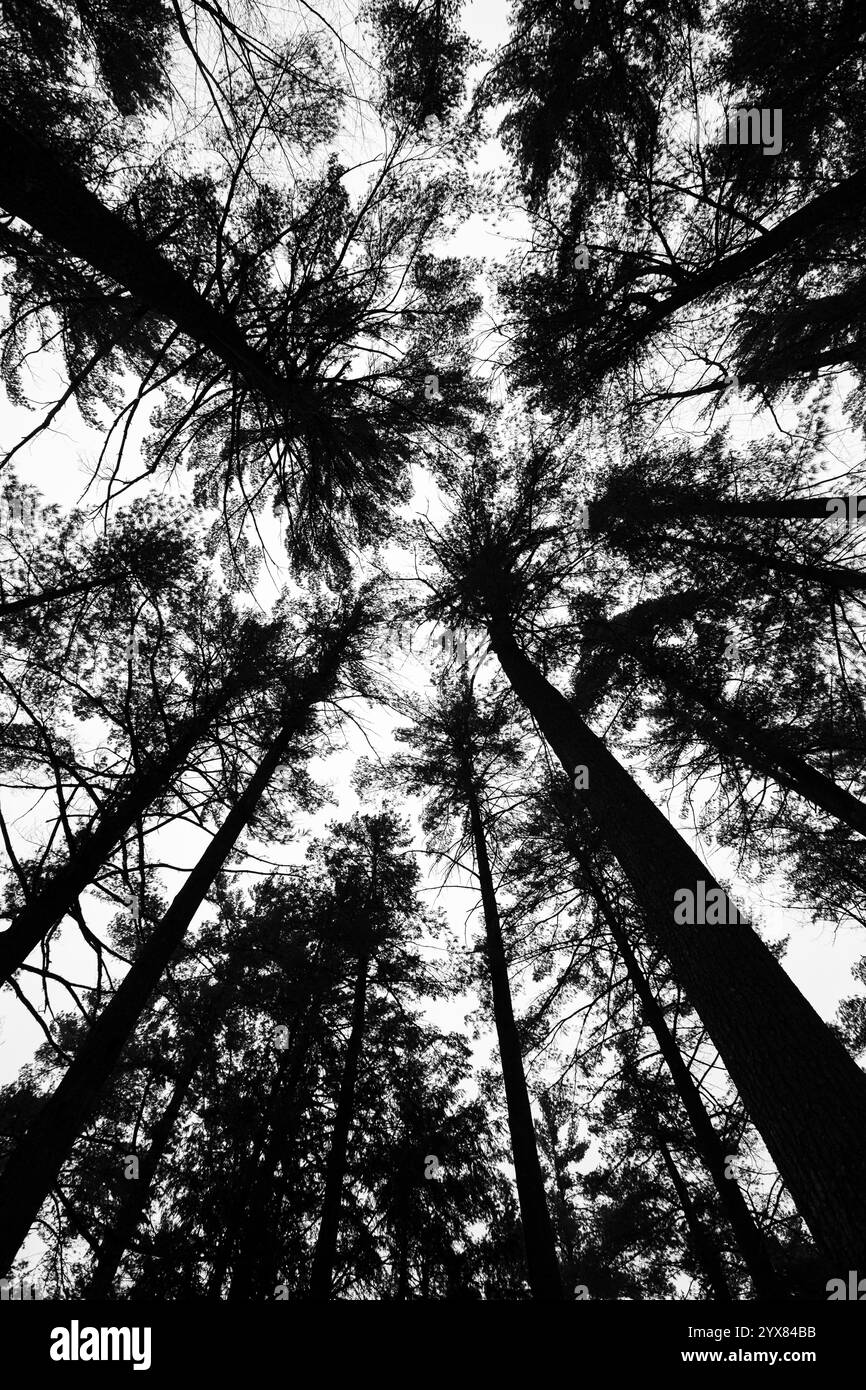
(636, 170)
(453, 743)
(728, 974)
(32, 1167)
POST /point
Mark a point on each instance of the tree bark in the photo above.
(541, 1262)
(34, 1164)
(803, 1092)
(322, 1270)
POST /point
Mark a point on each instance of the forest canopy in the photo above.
(433, 742)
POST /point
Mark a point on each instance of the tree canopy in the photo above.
(433, 744)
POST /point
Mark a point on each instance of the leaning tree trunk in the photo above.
(33, 1166)
(829, 576)
(803, 1092)
(137, 1195)
(541, 1262)
(11, 606)
(568, 1232)
(47, 905)
(704, 1248)
(807, 221)
(754, 745)
(280, 1114)
(767, 1283)
(685, 507)
(322, 1270)
(38, 188)
(402, 1240)
(235, 1211)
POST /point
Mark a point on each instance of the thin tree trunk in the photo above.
(844, 200)
(34, 1164)
(756, 746)
(322, 1270)
(704, 1248)
(81, 586)
(403, 1288)
(541, 1262)
(803, 1092)
(568, 1234)
(47, 905)
(38, 188)
(280, 1112)
(751, 1243)
(118, 1240)
(691, 508)
(137, 1197)
(235, 1213)
(831, 576)
(403, 1266)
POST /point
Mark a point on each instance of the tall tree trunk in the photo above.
(38, 188)
(403, 1266)
(401, 1237)
(34, 1164)
(686, 507)
(844, 200)
(804, 1093)
(322, 1270)
(236, 1211)
(757, 747)
(703, 1246)
(129, 800)
(541, 1262)
(751, 1243)
(245, 1265)
(568, 1233)
(28, 601)
(137, 1196)
(831, 576)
